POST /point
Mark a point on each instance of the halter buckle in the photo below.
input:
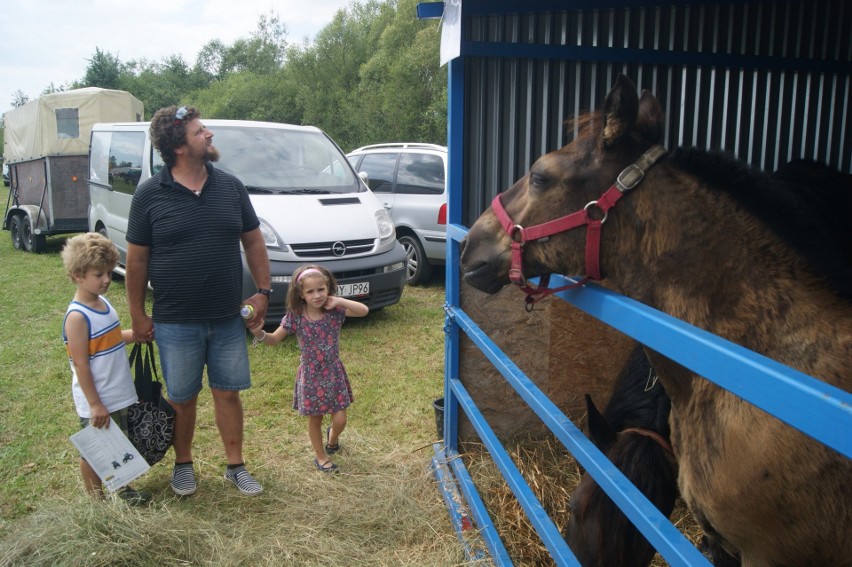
(630, 177)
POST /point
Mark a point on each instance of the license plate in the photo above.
(355, 289)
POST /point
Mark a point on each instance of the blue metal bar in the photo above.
(671, 544)
(649, 56)
(455, 179)
(820, 410)
(479, 511)
(453, 502)
(536, 513)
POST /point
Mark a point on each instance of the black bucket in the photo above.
(439, 416)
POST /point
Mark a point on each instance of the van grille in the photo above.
(327, 249)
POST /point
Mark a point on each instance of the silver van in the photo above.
(409, 180)
(312, 206)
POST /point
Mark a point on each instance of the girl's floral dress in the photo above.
(322, 386)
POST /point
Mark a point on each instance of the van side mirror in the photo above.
(364, 177)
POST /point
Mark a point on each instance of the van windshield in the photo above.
(276, 160)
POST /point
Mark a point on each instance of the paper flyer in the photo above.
(111, 454)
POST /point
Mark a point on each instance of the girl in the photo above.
(315, 315)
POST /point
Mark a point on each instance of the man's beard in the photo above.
(211, 154)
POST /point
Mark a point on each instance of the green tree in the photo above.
(19, 99)
(402, 88)
(103, 71)
(325, 74)
(162, 83)
(262, 53)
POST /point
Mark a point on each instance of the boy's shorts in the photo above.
(119, 417)
(186, 348)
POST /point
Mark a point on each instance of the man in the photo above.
(184, 233)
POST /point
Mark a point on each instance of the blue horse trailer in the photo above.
(767, 81)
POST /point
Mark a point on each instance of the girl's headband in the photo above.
(309, 271)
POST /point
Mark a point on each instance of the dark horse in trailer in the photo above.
(705, 239)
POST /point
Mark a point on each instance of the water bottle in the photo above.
(247, 311)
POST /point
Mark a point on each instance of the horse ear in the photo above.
(651, 119)
(621, 109)
(600, 431)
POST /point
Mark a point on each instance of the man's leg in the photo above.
(229, 420)
(185, 413)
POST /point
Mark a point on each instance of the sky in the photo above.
(51, 41)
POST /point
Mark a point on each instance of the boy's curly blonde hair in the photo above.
(89, 251)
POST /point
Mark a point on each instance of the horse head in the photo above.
(632, 433)
(560, 184)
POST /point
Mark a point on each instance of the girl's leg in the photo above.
(338, 424)
(91, 480)
(315, 435)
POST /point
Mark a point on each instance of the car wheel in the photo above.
(418, 269)
(33, 242)
(16, 230)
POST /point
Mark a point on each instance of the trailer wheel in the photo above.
(16, 230)
(34, 243)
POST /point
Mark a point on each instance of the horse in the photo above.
(633, 430)
(702, 237)
(633, 433)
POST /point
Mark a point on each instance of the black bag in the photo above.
(150, 421)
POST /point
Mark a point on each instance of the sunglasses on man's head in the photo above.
(180, 114)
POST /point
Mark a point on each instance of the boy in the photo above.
(102, 385)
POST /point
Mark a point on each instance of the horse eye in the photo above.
(538, 180)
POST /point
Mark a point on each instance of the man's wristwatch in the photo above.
(266, 292)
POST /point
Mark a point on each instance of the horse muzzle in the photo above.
(485, 270)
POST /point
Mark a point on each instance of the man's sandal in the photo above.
(326, 467)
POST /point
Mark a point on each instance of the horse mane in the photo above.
(584, 126)
(638, 398)
(806, 204)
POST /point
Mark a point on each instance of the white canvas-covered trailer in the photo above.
(46, 146)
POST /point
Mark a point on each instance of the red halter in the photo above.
(628, 179)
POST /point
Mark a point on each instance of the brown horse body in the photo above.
(683, 243)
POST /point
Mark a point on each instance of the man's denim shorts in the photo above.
(185, 349)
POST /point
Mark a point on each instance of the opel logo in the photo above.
(338, 249)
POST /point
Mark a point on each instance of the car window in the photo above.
(283, 160)
(379, 168)
(420, 174)
(125, 160)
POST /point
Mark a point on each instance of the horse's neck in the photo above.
(697, 256)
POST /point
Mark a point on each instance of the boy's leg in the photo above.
(91, 480)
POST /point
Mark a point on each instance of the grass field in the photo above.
(384, 509)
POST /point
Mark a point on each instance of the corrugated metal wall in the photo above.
(767, 81)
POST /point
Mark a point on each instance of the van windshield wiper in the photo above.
(256, 189)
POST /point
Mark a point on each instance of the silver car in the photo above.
(409, 180)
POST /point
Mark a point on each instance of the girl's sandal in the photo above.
(330, 449)
(326, 467)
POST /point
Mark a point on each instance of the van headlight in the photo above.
(270, 237)
(384, 223)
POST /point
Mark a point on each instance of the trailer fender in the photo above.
(37, 218)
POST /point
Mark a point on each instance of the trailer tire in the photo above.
(33, 242)
(16, 230)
